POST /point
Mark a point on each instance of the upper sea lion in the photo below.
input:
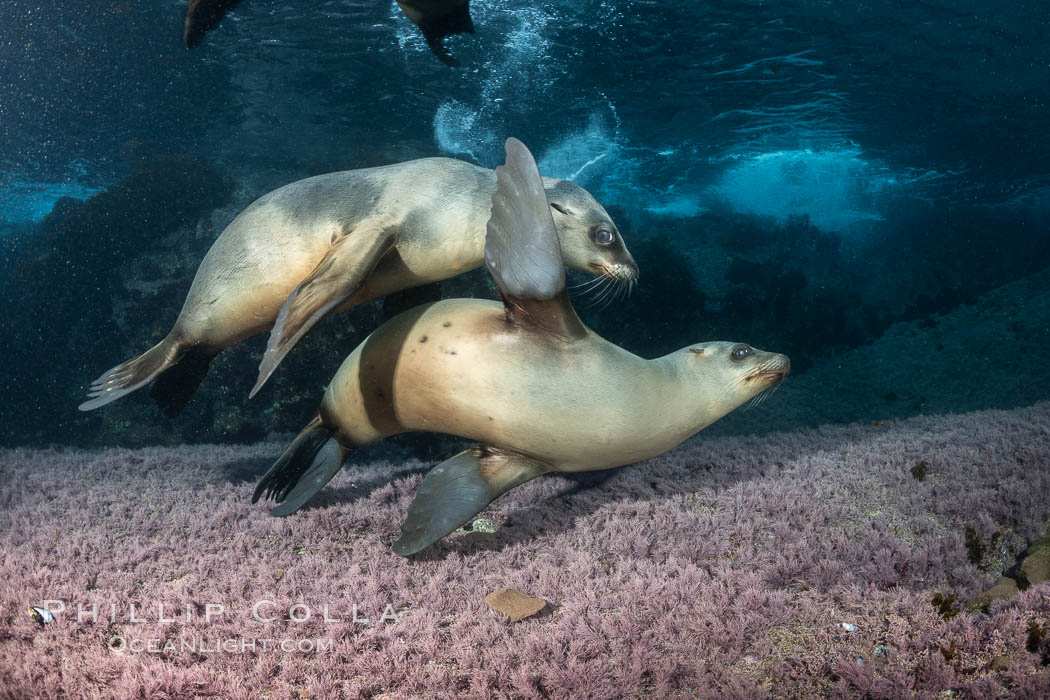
(335, 241)
(435, 18)
(526, 379)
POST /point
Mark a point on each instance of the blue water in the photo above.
(776, 107)
(878, 121)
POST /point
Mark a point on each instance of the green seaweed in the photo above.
(919, 471)
(947, 606)
(1036, 634)
(975, 548)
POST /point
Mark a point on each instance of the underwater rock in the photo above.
(1004, 589)
(1036, 566)
(1032, 570)
(514, 604)
(71, 270)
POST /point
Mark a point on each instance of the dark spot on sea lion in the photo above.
(698, 351)
(423, 339)
(446, 324)
(490, 417)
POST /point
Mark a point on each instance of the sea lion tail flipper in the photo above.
(310, 462)
(133, 374)
(458, 489)
(341, 272)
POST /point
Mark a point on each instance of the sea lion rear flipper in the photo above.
(458, 489)
(338, 276)
(173, 388)
(310, 462)
(522, 250)
(163, 358)
(438, 20)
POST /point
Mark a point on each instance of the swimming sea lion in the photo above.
(535, 387)
(335, 241)
(435, 18)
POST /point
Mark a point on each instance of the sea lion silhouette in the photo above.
(435, 18)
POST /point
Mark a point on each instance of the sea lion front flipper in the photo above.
(459, 488)
(339, 275)
(522, 250)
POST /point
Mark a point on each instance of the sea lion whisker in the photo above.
(761, 397)
(599, 291)
(769, 392)
(589, 283)
(610, 297)
(611, 294)
(617, 295)
(600, 294)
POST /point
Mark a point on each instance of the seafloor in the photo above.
(791, 564)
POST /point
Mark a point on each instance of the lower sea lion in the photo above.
(526, 379)
(335, 241)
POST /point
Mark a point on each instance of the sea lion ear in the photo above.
(522, 251)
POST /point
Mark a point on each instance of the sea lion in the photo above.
(335, 241)
(526, 379)
(435, 18)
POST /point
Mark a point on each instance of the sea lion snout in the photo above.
(780, 369)
(617, 271)
(771, 368)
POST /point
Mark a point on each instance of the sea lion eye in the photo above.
(740, 352)
(604, 236)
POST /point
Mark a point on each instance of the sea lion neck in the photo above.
(694, 402)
